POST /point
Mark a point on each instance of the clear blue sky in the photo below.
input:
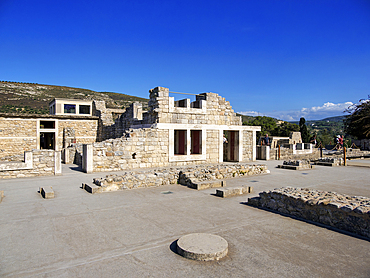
(278, 58)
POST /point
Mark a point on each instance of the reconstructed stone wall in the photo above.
(139, 148)
(44, 163)
(20, 133)
(85, 131)
(209, 108)
(212, 149)
(182, 175)
(287, 154)
(148, 147)
(247, 145)
(349, 213)
(17, 136)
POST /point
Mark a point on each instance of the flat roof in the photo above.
(43, 116)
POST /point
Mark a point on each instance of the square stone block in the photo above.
(47, 192)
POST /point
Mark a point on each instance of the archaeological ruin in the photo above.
(170, 133)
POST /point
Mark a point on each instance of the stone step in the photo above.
(293, 167)
(233, 191)
(208, 184)
(91, 188)
(327, 164)
(47, 192)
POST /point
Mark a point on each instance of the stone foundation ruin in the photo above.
(344, 212)
(190, 176)
(296, 165)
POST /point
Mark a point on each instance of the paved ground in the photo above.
(132, 233)
(359, 162)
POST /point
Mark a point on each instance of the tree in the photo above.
(304, 131)
(285, 129)
(358, 122)
(268, 124)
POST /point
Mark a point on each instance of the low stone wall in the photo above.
(287, 154)
(36, 163)
(182, 175)
(191, 176)
(348, 213)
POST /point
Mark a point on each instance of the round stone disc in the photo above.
(202, 247)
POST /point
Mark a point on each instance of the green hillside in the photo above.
(16, 97)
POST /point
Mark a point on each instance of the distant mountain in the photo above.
(33, 98)
(334, 119)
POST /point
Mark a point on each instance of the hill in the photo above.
(33, 98)
(334, 119)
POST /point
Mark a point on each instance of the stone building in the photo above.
(70, 121)
(170, 133)
(173, 133)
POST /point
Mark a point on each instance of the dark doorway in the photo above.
(47, 140)
(180, 142)
(231, 146)
(196, 142)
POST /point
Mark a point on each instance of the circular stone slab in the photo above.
(202, 247)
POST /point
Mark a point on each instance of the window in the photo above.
(70, 108)
(181, 103)
(47, 124)
(196, 142)
(180, 142)
(84, 109)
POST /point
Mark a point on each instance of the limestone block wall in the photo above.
(199, 174)
(349, 213)
(85, 131)
(247, 145)
(17, 136)
(43, 163)
(20, 133)
(149, 147)
(138, 148)
(287, 154)
(209, 108)
(212, 149)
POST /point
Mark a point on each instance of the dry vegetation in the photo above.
(34, 98)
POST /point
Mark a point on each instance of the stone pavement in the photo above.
(359, 162)
(132, 233)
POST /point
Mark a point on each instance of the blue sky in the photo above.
(284, 59)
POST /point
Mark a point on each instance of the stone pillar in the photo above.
(87, 158)
(188, 142)
(254, 146)
(265, 152)
(65, 154)
(294, 148)
(28, 159)
(240, 146)
(220, 146)
(57, 163)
